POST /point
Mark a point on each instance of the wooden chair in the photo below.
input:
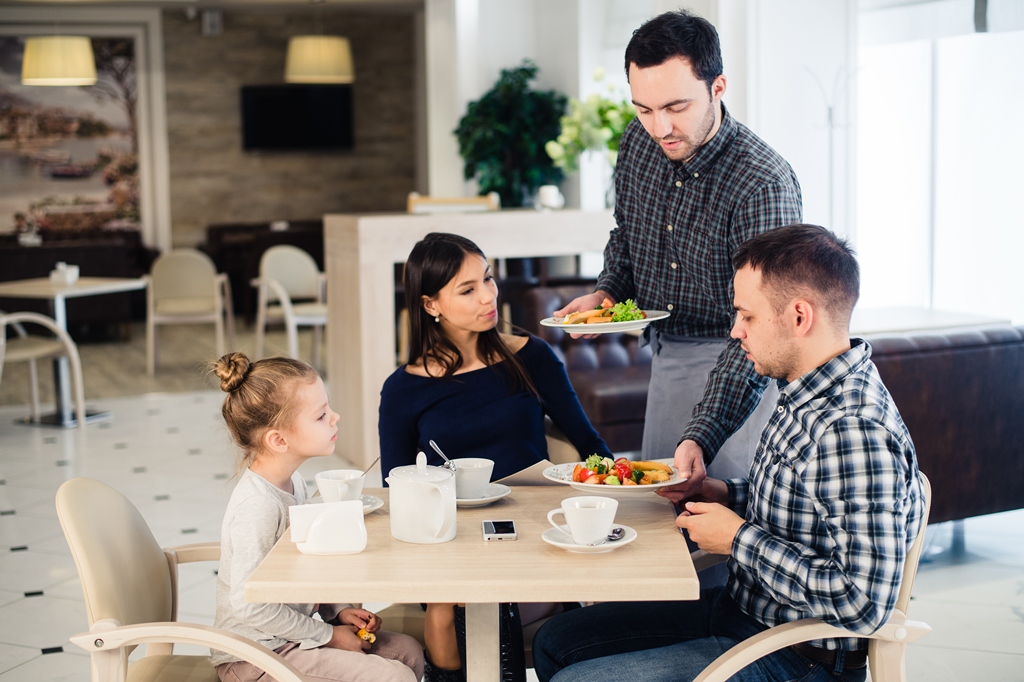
(29, 348)
(887, 648)
(288, 273)
(131, 595)
(184, 288)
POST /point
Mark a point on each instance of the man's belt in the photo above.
(827, 657)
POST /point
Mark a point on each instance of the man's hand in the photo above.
(360, 618)
(345, 637)
(689, 463)
(712, 526)
(588, 302)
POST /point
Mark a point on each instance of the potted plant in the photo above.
(501, 137)
(596, 123)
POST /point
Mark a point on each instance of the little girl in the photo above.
(278, 413)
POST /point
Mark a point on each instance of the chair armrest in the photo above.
(108, 637)
(200, 551)
(896, 629)
(282, 296)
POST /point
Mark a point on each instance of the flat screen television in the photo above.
(296, 117)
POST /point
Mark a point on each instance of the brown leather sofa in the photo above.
(961, 395)
(610, 373)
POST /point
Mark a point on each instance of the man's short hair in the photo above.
(677, 34)
(804, 260)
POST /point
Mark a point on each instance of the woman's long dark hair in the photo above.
(434, 262)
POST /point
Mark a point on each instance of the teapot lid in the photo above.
(420, 471)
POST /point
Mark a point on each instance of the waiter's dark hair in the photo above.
(432, 264)
(805, 260)
(677, 34)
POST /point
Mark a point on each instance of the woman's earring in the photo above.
(437, 318)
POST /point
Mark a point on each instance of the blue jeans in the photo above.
(670, 641)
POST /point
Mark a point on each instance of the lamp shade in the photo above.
(58, 60)
(319, 59)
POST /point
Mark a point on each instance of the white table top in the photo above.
(904, 319)
(42, 287)
(656, 566)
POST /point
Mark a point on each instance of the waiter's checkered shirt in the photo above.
(677, 227)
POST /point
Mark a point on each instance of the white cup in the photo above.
(472, 476)
(589, 518)
(338, 485)
(548, 196)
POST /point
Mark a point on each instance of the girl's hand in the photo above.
(345, 638)
(360, 618)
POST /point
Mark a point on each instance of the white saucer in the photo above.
(492, 493)
(370, 503)
(559, 537)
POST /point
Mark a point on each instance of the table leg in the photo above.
(61, 371)
(483, 645)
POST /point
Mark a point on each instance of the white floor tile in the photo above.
(18, 529)
(31, 571)
(12, 656)
(42, 622)
(69, 589)
(976, 627)
(60, 667)
(7, 596)
(942, 664)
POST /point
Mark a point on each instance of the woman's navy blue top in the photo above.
(476, 414)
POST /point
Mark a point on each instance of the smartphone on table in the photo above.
(500, 530)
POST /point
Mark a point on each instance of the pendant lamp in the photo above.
(58, 60)
(319, 59)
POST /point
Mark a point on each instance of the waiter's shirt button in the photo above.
(669, 228)
(674, 266)
(781, 409)
(669, 306)
(678, 183)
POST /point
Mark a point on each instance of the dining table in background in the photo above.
(655, 566)
(57, 294)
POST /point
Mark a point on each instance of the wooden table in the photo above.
(57, 294)
(484, 574)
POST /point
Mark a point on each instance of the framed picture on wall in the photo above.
(84, 158)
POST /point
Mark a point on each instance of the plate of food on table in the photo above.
(606, 318)
(614, 475)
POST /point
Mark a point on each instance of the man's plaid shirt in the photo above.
(832, 504)
(677, 227)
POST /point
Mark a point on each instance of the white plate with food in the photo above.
(371, 503)
(492, 493)
(606, 318)
(653, 475)
(605, 327)
(560, 537)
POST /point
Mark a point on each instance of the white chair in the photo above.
(131, 594)
(887, 648)
(185, 288)
(288, 273)
(29, 348)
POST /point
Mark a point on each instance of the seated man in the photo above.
(821, 526)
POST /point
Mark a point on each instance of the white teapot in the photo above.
(422, 503)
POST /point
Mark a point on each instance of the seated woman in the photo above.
(473, 390)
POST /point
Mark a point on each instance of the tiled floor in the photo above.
(170, 455)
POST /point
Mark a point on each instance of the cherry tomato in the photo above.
(596, 479)
(623, 468)
(577, 471)
(585, 473)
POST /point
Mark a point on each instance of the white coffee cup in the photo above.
(472, 476)
(338, 485)
(589, 518)
(548, 196)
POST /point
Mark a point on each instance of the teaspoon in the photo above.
(448, 464)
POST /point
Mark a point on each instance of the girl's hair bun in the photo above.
(232, 369)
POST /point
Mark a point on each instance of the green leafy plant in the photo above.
(592, 124)
(501, 137)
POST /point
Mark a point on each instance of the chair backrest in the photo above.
(914, 555)
(293, 268)
(124, 572)
(417, 203)
(183, 273)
